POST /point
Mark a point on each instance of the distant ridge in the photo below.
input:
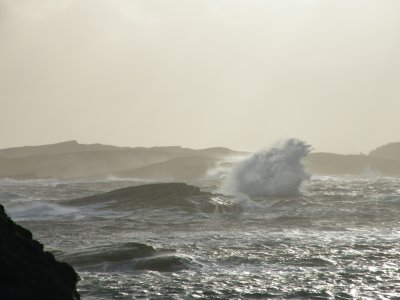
(383, 161)
(58, 148)
(71, 159)
(388, 151)
(73, 146)
(336, 164)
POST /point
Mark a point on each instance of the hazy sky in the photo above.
(200, 73)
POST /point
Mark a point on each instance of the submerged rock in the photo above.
(28, 272)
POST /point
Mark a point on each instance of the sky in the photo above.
(200, 73)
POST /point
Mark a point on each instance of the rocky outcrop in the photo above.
(29, 272)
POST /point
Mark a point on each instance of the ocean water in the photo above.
(338, 238)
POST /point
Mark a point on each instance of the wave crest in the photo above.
(276, 171)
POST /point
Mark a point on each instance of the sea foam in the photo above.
(275, 171)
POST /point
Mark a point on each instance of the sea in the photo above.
(339, 238)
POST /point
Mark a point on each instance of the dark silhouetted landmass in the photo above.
(28, 272)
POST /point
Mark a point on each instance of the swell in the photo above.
(127, 257)
(159, 195)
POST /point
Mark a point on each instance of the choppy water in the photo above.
(338, 239)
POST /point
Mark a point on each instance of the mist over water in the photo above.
(271, 172)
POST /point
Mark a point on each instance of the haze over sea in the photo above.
(262, 229)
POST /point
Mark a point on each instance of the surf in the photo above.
(271, 172)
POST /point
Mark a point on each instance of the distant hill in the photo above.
(384, 160)
(74, 160)
(335, 164)
(59, 148)
(388, 151)
(71, 159)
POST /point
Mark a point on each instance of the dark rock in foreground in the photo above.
(28, 272)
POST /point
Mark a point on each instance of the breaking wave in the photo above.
(276, 171)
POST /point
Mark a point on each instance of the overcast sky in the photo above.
(200, 73)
